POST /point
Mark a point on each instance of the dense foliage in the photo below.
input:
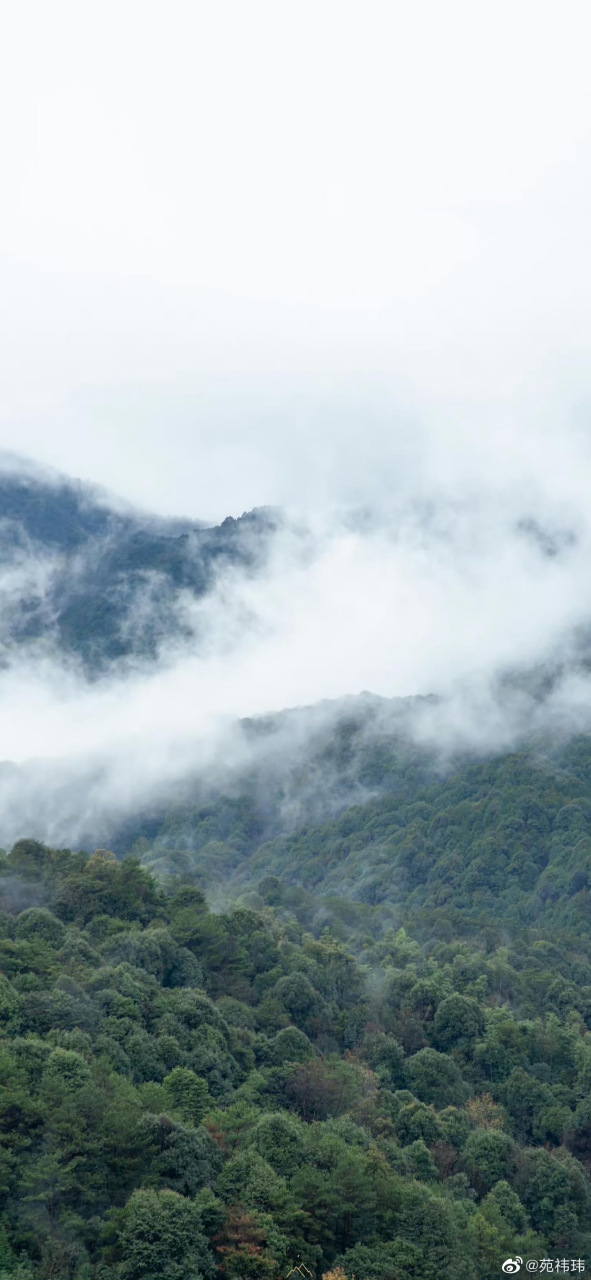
(485, 844)
(186, 1094)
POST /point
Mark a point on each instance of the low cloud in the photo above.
(480, 599)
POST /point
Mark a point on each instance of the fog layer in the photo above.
(481, 598)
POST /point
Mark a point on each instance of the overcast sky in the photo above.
(275, 252)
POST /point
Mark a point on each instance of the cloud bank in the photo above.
(468, 595)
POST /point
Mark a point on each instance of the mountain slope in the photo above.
(504, 842)
(192, 1094)
(371, 1050)
(92, 584)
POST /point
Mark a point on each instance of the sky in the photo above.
(296, 254)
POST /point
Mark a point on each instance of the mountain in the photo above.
(102, 587)
(325, 1004)
(370, 826)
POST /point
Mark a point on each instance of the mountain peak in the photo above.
(113, 579)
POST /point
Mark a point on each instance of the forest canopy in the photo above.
(188, 1093)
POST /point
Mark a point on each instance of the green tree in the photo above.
(39, 924)
(159, 1237)
(459, 1020)
(489, 1155)
(188, 1093)
(435, 1078)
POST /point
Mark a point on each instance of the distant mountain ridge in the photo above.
(102, 585)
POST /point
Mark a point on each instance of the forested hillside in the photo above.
(327, 1002)
(464, 844)
(187, 1094)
